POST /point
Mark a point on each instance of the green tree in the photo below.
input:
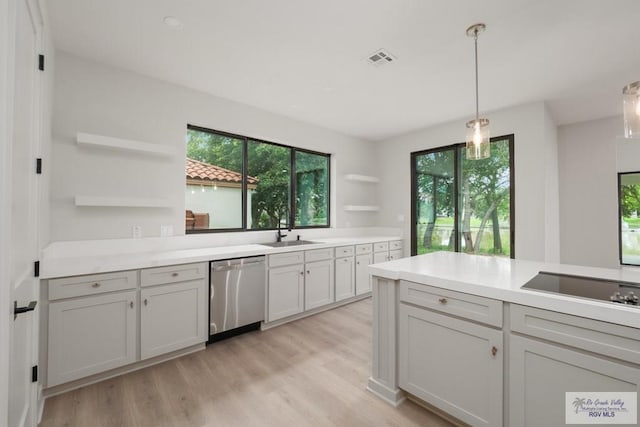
(630, 201)
(486, 191)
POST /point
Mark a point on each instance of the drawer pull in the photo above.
(494, 350)
(131, 304)
(95, 285)
(442, 300)
(174, 274)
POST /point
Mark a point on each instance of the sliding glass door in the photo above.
(463, 205)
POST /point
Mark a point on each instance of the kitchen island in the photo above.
(458, 333)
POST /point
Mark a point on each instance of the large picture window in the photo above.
(463, 205)
(629, 217)
(235, 183)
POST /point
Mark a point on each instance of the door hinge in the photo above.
(38, 166)
(34, 374)
(41, 62)
(36, 269)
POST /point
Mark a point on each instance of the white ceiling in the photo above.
(307, 59)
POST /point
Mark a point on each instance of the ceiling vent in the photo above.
(380, 57)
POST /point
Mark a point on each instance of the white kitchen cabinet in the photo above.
(362, 276)
(318, 284)
(540, 374)
(453, 364)
(285, 291)
(345, 278)
(387, 251)
(577, 354)
(172, 317)
(91, 334)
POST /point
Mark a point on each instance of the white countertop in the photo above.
(502, 278)
(51, 267)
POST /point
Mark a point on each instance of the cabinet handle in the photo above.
(174, 274)
(358, 262)
(308, 272)
(302, 273)
(145, 301)
(494, 350)
(442, 300)
(95, 285)
(131, 304)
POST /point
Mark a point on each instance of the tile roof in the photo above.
(207, 172)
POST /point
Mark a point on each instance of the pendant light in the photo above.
(477, 129)
(631, 103)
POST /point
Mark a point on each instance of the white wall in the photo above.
(534, 161)
(591, 154)
(94, 98)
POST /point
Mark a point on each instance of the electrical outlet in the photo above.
(166, 230)
(136, 231)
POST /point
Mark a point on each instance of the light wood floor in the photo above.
(310, 372)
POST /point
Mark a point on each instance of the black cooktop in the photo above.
(585, 287)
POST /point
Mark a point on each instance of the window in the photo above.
(629, 214)
(235, 183)
(463, 205)
(312, 189)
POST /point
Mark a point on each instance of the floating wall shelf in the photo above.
(122, 202)
(362, 178)
(361, 208)
(90, 140)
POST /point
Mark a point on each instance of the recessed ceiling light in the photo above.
(171, 21)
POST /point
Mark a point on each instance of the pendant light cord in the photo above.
(475, 38)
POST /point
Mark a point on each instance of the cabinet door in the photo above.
(318, 284)
(172, 317)
(363, 278)
(90, 335)
(395, 254)
(380, 257)
(452, 364)
(540, 374)
(345, 278)
(285, 291)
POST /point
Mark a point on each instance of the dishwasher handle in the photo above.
(237, 264)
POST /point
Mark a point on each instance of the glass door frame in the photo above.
(457, 159)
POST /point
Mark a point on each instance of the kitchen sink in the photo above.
(289, 243)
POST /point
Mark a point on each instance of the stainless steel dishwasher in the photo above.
(237, 292)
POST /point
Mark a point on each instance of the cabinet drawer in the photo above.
(68, 287)
(605, 338)
(344, 251)
(364, 249)
(318, 254)
(472, 307)
(172, 274)
(396, 244)
(286, 258)
(381, 246)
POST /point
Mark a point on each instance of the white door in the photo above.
(344, 278)
(318, 284)
(172, 317)
(285, 292)
(19, 204)
(363, 278)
